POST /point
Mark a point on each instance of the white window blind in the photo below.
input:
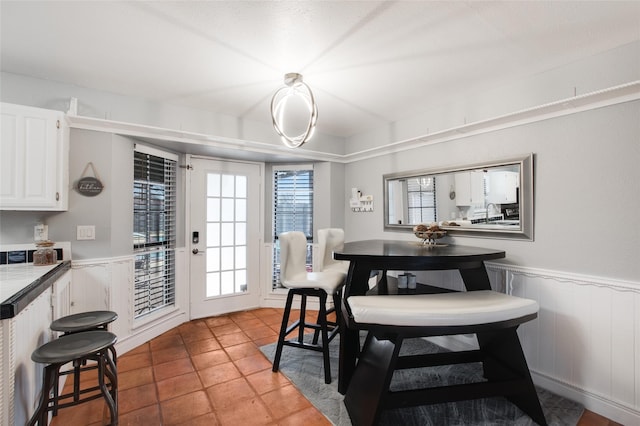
(154, 222)
(292, 209)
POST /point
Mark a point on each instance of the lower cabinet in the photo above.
(21, 378)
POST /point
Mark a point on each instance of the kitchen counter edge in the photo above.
(16, 303)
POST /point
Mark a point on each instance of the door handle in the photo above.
(194, 251)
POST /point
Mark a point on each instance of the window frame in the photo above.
(155, 259)
(274, 229)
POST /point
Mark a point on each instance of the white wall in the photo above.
(586, 197)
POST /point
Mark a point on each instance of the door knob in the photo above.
(194, 251)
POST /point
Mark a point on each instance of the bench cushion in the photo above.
(442, 309)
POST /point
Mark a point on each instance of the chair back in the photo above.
(293, 256)
(328, 240)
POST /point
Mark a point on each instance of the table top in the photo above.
(376, 250)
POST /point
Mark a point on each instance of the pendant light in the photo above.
(293, 91)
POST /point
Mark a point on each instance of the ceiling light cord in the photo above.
(294, 86)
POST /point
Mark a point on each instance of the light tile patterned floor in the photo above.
(210, 372)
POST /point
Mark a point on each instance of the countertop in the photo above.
(22, 283)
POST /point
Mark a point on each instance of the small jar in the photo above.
(45, 254)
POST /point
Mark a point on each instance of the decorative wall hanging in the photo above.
(89, 186)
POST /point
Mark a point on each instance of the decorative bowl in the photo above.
(430, 237)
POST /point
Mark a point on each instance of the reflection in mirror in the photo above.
(488, 199)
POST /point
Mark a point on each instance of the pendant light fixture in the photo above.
(294, 92)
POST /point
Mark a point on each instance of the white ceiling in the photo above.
(368, 62)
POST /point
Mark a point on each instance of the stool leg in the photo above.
(40, 416)
(303, 311)
(283, 331)
(103, 361)
(322, 317)
(112, 374)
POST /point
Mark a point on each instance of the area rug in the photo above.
(304, 369)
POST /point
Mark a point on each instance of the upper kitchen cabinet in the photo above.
(34, 155)
(503, 187)
(469, 188)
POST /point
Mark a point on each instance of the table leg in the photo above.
(476, 278)
(357, 284)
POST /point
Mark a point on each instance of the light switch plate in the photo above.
(86, 232)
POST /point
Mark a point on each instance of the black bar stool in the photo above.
(77, 323)
(77, 348)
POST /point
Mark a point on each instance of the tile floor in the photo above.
(210, 372)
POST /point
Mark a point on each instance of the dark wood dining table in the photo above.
(391, 255)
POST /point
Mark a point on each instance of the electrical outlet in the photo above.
(86, 232)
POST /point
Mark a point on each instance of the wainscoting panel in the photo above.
(100, 284)
(585, 343)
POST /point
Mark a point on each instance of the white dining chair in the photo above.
(294, 276)
(328, 240)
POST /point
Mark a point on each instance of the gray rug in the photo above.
(304, 369)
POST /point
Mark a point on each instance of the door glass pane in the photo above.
(213, 209)
(241, 210)
(241, 280)
(227, 213)
(213, 284)
(213, 185)
(226, 258)
(213, 234)
(227, 234)
(241, 257)
(227, 282)
(228, 185)
(241, 187)
(213, 259)
(241, 233)
(226, 237)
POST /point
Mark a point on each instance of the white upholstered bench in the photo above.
(494, 318)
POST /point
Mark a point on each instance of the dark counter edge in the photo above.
(16, 303)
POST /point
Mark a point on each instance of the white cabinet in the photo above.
(469, 188)
(21, 377)
(503, 187)
(34, 156)
(61, 296)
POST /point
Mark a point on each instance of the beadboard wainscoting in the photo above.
(584, 345)
(99, 284)
(20, 377)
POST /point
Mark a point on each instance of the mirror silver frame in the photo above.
(523, 232)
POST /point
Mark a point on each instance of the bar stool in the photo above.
(76, 323)
(294, 276)
(77, 348)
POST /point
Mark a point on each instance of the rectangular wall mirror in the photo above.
(491, 200)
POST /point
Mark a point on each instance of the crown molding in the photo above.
(272, 152)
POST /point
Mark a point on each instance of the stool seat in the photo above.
(73, 346)
(442, 309)
(83, 321)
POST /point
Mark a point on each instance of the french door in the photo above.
(225, 237)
